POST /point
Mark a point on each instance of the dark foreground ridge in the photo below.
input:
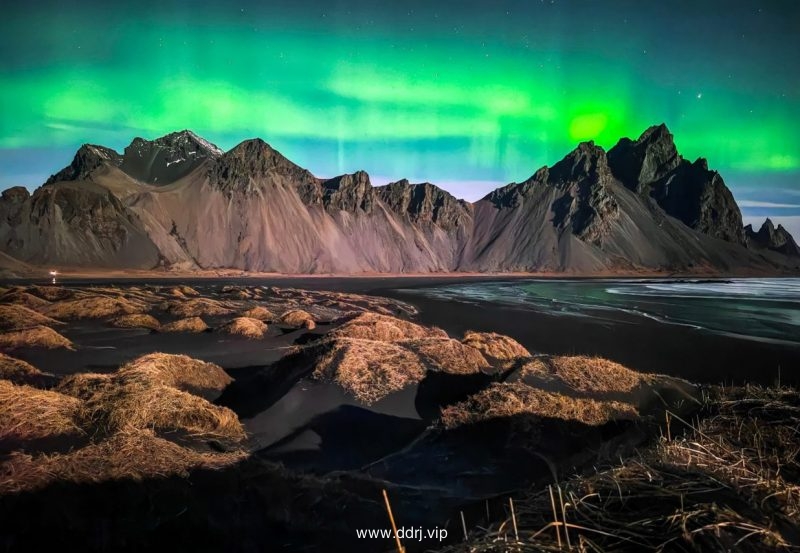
(180, 203)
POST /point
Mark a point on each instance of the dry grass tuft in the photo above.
(245, 326)
(143, 405)
(51, 293)
(191, 324)
(18, 371)
(297, 318)
(132, 454)
(198, 307)
(136, 321)
(372, 326)
(260, 313)
(728, 481)
(447, 355)
(95, 307)
(188, 291)
(28, 413)
(20, 297)
(84, 385)
(498, 349)
(590, 375)
(510, 399)
(18, 317)
(178, 371)
(38, 336)
(367, 369)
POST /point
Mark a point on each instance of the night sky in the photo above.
(468, 95)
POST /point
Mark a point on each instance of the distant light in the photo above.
(53, 273)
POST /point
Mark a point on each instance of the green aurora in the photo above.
(456, 93)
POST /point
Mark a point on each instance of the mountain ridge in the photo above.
(184, 203)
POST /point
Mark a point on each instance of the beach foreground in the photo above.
(250, 417)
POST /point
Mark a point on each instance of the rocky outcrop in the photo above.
(690, 192)
(254, 166)
(166, 159)
(87, 159)
(425, 203)
(771, 238)
(349, 192)
(77, 224)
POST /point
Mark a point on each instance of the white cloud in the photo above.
(755, 203)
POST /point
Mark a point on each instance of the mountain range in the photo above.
(181, 203)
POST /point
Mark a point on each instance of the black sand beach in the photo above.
(637, 342)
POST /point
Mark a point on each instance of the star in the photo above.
(699, 95)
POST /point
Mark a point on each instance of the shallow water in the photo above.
(755, 309)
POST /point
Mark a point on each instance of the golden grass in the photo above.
(727, 481)
(136, 320)
(94, 307)
(18, 317)
(496, 348)
(588, 374)
(188, 291)
(38, 336)
(447, 355)
(298, 318)
(18, 371)
(51, 293)
(373, 326)
(143, 405)
(191, 324)
(366, 369)
(131, 454)
(245, 326)
(84, 385)
(123, 425)
(198, 307)
(517, 398)
(260, 313)
(27, 413)
(21, 297)
(178, 371)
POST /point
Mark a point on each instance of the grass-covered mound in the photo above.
(34, 337)
(137, 422)
(18, 317)
(19, 371)
(506, 400)
(94, 307)
(190, 324)
(245, 326)
(136, 320)
(727, 480)
(259, 312)
(298, 318)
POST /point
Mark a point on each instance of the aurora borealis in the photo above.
(467, 94)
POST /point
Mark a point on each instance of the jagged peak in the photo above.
(175, 140)
(86, 159)
(656, 133)
(358, 177)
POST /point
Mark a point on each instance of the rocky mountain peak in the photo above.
(88, 158)
(168, 158)
(349, 192)
(775, 239)
(425, 203)
(254, 161)
(587, 159)
(637, 163)
(15, 194)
